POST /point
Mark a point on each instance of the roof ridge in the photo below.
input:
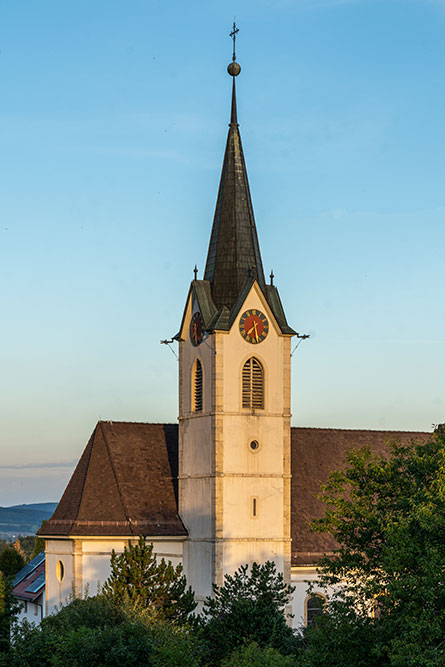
(112, 422)
(361, 430)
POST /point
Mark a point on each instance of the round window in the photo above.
(60, 570)
(254, 445)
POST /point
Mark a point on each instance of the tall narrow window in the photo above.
(253, 385)
(197, 387)
(314, 608)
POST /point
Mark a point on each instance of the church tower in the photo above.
(234, 395)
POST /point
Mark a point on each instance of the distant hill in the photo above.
(24, 519)
(38, 507)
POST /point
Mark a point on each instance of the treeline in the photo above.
(16, 553)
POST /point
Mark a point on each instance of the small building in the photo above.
(29, 589)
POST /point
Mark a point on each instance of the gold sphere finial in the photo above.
(234, 69)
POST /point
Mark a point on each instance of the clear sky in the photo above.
(113, 120)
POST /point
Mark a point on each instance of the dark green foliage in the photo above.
(39, 543)
(138, 578)
(11, 561)
(388, 516)
(8, 611)
(96, 631)
(340, 638)
(249, 607)
(252, 655)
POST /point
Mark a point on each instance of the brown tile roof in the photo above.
(124, 484)
(315, 453)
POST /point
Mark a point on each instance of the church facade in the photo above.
(232, 483)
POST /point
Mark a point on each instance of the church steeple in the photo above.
(234, 252)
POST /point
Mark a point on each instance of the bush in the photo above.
(96, 631)
(253, 655)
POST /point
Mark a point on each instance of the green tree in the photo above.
(388, 516)
(39, 543)
(97, 631)
(136, 576)
(248, 607)
(252, 655)
(8, 611)
(11, 561)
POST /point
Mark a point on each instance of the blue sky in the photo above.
(113, 119)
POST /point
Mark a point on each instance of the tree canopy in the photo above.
(8, 611)
(388, 517)
(248, 607)
(11, 561)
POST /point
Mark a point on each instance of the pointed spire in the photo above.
(234, 252)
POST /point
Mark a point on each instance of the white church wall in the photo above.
(198, 568)
(86, 564)
(238, 498)
(59, 573)
(301, 578)
(196, 461)
(238, 553)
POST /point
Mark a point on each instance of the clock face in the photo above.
(196, 329)
(253, 326)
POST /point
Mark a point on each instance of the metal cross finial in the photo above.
(271, 277)
(195, 271)
(233, 34)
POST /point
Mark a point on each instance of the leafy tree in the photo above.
(8, 611)
(388, 516)
(18, 547)
(136, 576)
(97, 631)
(252, 655)
(25, 545)
(248, 607)
(39, 543)
(11, 561)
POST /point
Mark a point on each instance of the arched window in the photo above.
(197, 387)
(253, 385)
(314, 607)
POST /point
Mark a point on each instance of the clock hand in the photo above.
(256, 334)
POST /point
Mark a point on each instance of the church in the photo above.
(232, 482)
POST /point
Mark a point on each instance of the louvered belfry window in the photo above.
(253, 385)
(197, 387)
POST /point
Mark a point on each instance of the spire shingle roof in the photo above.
(234, 252)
